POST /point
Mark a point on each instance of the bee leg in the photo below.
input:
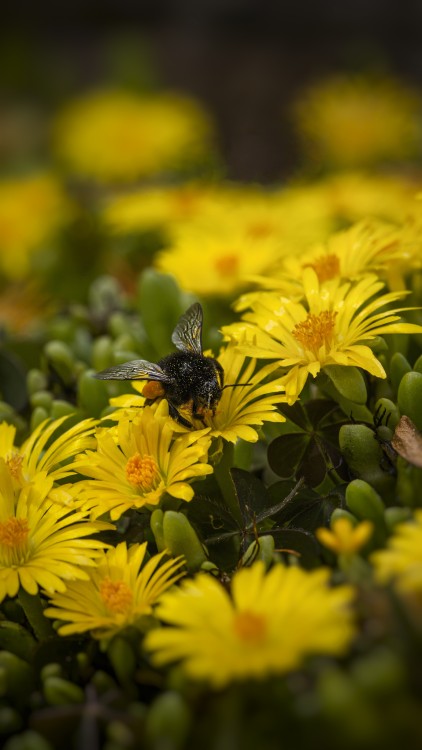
(174, 414)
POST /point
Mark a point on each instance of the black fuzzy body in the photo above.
(192, 378)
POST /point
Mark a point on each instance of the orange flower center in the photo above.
(316, 331)
(326, 267)
(13, 542)
(142, 472)
(250, 627)
(227, 265)
(14, 532)
(259, 230)
(116, 596)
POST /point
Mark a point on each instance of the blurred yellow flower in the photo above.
(138, 461)
(118, 593)
(117, 135)
(344, 538)
(355, 121)
(330, 327)
(401, 561)
(268, 625)
(32, 210)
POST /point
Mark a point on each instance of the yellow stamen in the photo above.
(326, 267)
(13, 542)
(250, 627)
(14, 464)
(116, 596)
(14, 532)
(142, 472)
(227, 265)
(316, 331)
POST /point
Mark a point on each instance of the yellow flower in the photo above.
(365, 247)
(343, 538)
(118, 593)
(144, 461)
(217, 262)
(42, 545)
(32, 209)
(359, 120)
(268, 625)
(159, 207)
(248, 400)
(330, 327)
(119, 135)
(401, 561)
(42, 452)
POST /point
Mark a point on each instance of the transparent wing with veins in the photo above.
(138, 369)
(187, 336)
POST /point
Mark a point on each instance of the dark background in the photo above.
(246, 60)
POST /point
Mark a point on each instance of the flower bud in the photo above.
(181, 539)
(156, 523)
(399, 366)
(167, 722)
(59, 692)
(409, 397)
(61, 359)
(92, 394)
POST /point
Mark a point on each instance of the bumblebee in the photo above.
(186, 378)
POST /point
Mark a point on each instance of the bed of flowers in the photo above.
(248, 573)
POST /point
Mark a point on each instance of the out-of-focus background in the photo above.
(245, 60)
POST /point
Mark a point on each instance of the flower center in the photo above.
(326, 267)
(14, 464)
(250, 627)
(260, 230)
(13, 541)
(316, 331)
(116, 596)
(227, 265)
(142, 472)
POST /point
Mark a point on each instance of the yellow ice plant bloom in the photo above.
(118, 135)
(120, 591)
(268, 625)
(401, 561)
(353, 121)
(249, 399)
(344, 538)
(217, 261)
(42, 545)
(46, 450)
(368, 246)
(138, 461)
(158, 207)
(330, 327)
(32, 210)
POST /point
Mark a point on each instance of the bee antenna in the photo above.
(235, 385)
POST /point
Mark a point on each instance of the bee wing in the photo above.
(138, 369)
(187, 336)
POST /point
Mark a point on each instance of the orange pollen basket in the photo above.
(142, 472)
(326, 267)
(14, 532)
(250, 627)
(227, 265)
(116, 596)
(316, 330)
(153, 389)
